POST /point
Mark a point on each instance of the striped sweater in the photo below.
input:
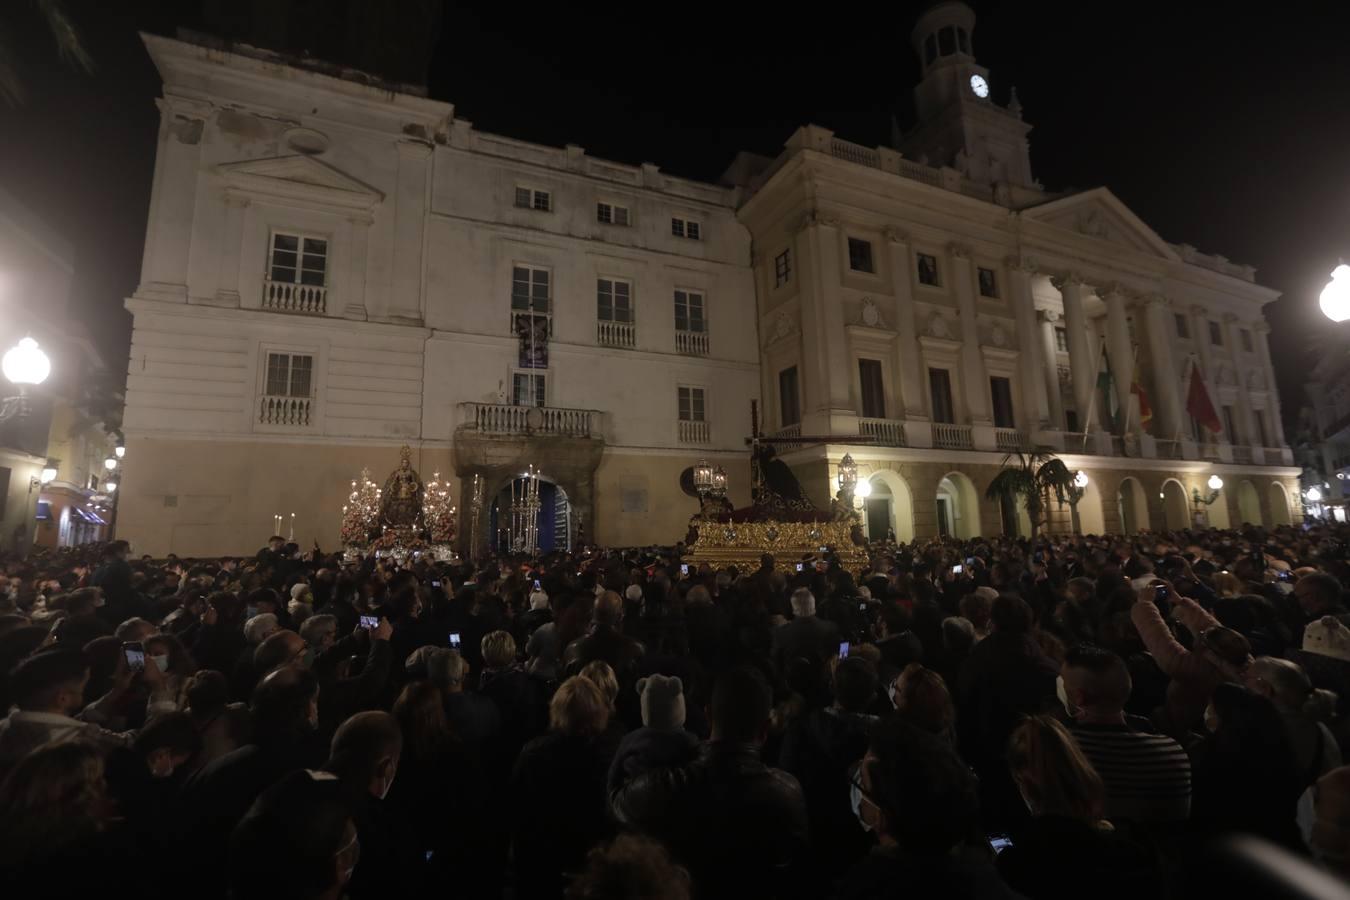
(1147, 776)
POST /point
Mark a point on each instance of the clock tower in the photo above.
(959, 124)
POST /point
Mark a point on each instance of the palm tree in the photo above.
(69, 46)
(1036, 474)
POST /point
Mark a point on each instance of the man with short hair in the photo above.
(364, 756)
(737, 824)
(48, 692)
(319, 632)
(605, 640)
(1147, 775)
(1319, 594)
(806, 635)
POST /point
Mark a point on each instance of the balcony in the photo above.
(616, 334)
(284, 296)
(952, 437)
(500, 418)
(691, 343)
(789, 431)
(1168, 449)
(1242, 454)
(884, 432)
(1009, 440)
(285, 412)
(694, 432)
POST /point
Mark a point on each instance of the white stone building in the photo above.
(335, 267)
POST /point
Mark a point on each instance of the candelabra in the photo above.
(525, 513)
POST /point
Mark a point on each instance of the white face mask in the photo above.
(161, 663)
(855, 800)
(1062, 693)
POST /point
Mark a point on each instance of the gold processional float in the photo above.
(780, 519)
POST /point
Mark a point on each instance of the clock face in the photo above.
(979, 86)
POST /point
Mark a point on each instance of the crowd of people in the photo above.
(984, 719)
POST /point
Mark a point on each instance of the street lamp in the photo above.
(1080, 480)
(25, 366)
(1314, 495)
(1215, 483)
(120, 450)
(848, 474)
(1335, 297)
(1077, 487)
(863, 489)
(110, 463)
(48, 474)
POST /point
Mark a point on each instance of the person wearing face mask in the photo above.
(48, 692)
(142, 779)
(306, 820)
(1147, 776)
(285, 709)
(364, 756)
(916, 796)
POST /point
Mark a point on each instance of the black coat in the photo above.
(606, 643)
(739, 826)
(1054, 858)
(558, 801)
(890, 874)
(805, 636)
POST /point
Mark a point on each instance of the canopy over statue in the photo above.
(401, 499)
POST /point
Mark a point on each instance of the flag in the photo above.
(1106, 384)
(1137, 388)
(1199, 405)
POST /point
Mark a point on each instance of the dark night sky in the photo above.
(1227, 133)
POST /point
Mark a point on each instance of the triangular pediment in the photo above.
(300, 177)
(1099, 214)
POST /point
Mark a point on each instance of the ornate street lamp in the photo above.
(1335, 297)
(1075, 492)
(719, 483)
(1314, 495)
(25, 366)
(703, 479)
(1215, 484)
(1080, 479)
(110, 463)
(863, 489)
(120, 450)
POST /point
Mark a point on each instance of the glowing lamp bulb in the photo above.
(1215, 483)
(1080, 479)
(863, 489)
(1334, 299)
(25, 363)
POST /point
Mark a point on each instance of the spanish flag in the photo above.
(1137, 388)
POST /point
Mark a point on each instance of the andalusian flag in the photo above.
(1137, 388)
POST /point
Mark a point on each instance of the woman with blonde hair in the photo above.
(1067, 845)
(558, 790)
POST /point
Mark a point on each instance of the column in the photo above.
(909, 355)
(1050, 350)
(1261, 335)
(227, 275)
(1246, 425)
(410, 215)
(1030, 356)
(1121, 351)
(974, 378)
(1080, 351)
(173, 196)
(354, 303)
(1166, 397)
(825, 382)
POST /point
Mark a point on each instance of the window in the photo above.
(1071, 421)
(947, 41)
(1245, 336)
(1215, 334)
(691, 404)
(987, 278)
(873, 388)
(289, 375)
(1183, 327)
(1260, 416)
(1061, 339)
(685, 228)
(299, 259)
(860, 255)
(530, 198)
(610, 214)
(1000, 390)
(530, 289)
(962, 40)
(614, 300)
(928, 269)
(689, 312)
(940, 390)
(1229, 425)
(527, 389)
(782, 268)
(789, 403)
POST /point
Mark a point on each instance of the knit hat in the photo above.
(662, 702)
(1327, 636)
(633, 593)
(538, 600)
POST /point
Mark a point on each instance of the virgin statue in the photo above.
(401, 499)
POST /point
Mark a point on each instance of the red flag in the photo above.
(1137, 388)
(1199, 405)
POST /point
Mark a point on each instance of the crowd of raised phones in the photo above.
(989, 718)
